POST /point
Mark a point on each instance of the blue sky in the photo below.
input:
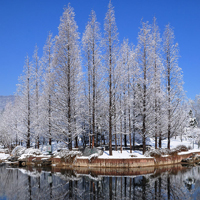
(25, 23)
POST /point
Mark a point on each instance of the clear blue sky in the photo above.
(25, 23)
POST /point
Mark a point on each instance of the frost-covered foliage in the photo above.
(4, 150)
(181, 148)
(159, 152)
(164, 151)
(123, 90)
(93, 156)
(67, 156)
(93, 84)
(32, 151)
(153, 153)
(23, 152)
(67, 73)
(90, 151)
(4, 100)
(18, 151)
(28, 153)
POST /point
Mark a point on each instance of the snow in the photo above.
(25, 153)
(64, 153)
(24, 156)
(174, 142)
(190, 151)
(95, 155)
(44, 158)
(4, 156)
(125, 154)
(31, 151)
(2, 150)
(18, 151)
(138, 154)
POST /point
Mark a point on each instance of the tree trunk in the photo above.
(121, 123)
(29, 108)
(144, 145)
(69, 99)
(125, 138)
(160, 141)
(94, 96)
(110, 97)
(169, 99)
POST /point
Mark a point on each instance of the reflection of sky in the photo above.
(196, 192)
(191, 182)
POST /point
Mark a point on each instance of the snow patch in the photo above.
(4, 156)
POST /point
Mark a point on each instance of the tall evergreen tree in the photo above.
(92, 50)
(24, 96)
(36, 94)
(173, 83)
(48, 89)
(67, 76)
(144, 51)
(111, 42)
(156, 82)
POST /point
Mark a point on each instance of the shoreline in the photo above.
(112, 163)
(104, 172)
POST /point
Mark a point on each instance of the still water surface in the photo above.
(163, 183)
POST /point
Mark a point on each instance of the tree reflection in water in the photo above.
(68, 184)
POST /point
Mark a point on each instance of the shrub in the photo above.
(153, 153)
(164, 151)
(159, 152)
(18, 151)
(181, 148)
(173, 152)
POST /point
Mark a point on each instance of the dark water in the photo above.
(175, 182)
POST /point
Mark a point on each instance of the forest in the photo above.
(91, 89)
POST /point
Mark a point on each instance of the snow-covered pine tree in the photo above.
(156, 82)
(24, 101)
(36, 96)
(173, 83)
(46, 116)
(92, 43)
(67, 77)
(144, 89)
(122, 82)
(110, 43)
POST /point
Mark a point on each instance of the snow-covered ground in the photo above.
(116, 154)
(173, 144)
(125, 154)
(188, 142)
(4, 156)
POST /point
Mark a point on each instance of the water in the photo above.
(171, 182)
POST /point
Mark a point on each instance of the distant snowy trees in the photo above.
(25, 102)
(99, 91)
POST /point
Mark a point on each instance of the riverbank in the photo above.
(104, 161)
(130, 162)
